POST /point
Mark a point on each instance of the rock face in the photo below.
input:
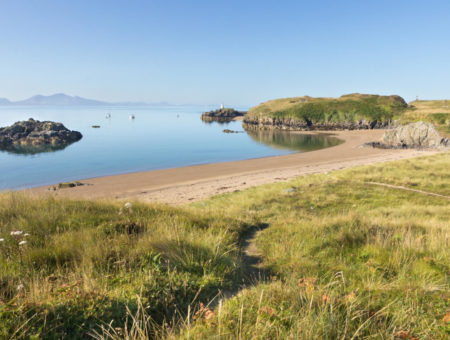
(414, 135)
(221, 115)
(33, 133)
(288, 123)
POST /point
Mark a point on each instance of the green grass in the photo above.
(433, 111)
(348, 260)
(354, 107)
(347, 108)
(84, 263)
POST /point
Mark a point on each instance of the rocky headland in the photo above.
(294, 124)
(221, 115)
(419, 135)
(348, 112)
(35, 135)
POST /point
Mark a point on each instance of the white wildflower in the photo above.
(26, 234)
(20, 287)
(2, 240)
(22, 243)
(16, 233)
(128, 205)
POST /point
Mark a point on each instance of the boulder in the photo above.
(417, 135)
(33, 133)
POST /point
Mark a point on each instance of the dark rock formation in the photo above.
(419, 135)
(221, 115)
(288, 123)
(33, 135)
(232, 131)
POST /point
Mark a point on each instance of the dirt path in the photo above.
(253, 269)
(400, 187)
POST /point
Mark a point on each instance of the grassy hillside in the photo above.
(75, 266)
(433, 111)
(347, 108)
(348, 259)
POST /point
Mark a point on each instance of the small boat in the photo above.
(132, 117)
(108, 115)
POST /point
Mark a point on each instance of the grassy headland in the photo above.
(347, 109)
(349, 259)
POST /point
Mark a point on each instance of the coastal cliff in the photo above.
(289, 123)
(348, 112)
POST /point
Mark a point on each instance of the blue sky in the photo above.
(237, 52)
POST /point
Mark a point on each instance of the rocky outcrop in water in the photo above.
(34, 135)
(231, 131)
(221, 115)
(288, 123)
(419, 135)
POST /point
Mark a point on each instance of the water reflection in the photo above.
(26, 150)
(293, 140)
(220, 121)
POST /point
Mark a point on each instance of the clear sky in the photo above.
(236, 52)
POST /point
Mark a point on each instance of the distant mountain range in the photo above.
(61, 99)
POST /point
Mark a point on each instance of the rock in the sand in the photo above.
(35, 134)
(417, 135)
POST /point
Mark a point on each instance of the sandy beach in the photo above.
(193, 183)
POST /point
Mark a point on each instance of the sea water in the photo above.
(158, 138)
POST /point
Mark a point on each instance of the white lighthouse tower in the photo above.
(221, 106)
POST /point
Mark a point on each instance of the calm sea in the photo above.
(158, 138)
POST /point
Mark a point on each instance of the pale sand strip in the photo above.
(192, 183)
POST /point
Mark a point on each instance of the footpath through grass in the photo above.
(349, 260)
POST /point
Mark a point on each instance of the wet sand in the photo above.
(192, 183)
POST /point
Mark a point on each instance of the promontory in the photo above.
(352, 111)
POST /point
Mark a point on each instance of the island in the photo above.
(36, 136)
(222, 115)
(348, 112)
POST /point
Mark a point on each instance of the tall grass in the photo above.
(85, 263)
(347, 260)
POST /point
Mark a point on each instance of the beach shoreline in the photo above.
(192, 183)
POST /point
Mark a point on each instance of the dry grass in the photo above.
(348, 261)
(433, 111)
